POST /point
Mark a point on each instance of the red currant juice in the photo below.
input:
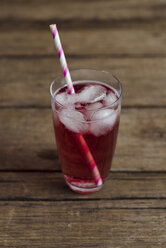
(102, 146)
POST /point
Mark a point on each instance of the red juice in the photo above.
(93, 111)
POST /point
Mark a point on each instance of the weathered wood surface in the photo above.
(117, 42)
(77, 11)
(80, 224)
(25, 81)
(37, 209)
(28, 140)
(50, 186)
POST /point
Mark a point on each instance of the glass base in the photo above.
(82, 186)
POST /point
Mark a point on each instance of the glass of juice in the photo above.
(94, 112)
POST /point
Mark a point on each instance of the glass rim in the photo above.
(60, 76)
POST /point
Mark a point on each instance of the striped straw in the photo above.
(62, 58)
(79, 138)
(89, 158)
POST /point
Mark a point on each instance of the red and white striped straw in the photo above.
(62, 58)
(80, 139)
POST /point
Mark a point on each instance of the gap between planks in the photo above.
(84, 56)
(138, 202)
(113, 171)
(78, 24)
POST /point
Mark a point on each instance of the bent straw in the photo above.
(79, 138)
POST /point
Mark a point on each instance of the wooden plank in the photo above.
(94, 204)
(50, 186)
(27, 140)
(73, 224)
(27, 83)
(116, 42)
(74, 11)
(28, 132)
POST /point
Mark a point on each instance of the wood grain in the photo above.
(28, 140)
(37, 209)
(25, 81)
(50, 186)
(76, 14)
(73, 224)
(101, 42)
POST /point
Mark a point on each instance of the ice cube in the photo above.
(94, 106)
(60, 98)
(66, 99)
(91, 108)
(98, 98)
(102, 121)
(102, 114)
(91, 94)
(110, 99)
(73, 120)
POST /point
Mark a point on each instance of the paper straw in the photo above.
(79, 138)
(89, 158)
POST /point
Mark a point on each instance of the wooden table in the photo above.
(37, 209)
